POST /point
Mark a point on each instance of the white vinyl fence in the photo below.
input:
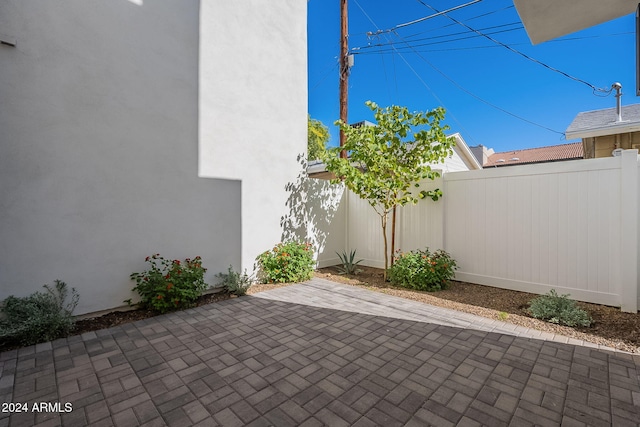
(569, 226)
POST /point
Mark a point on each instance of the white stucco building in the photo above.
(133, 127)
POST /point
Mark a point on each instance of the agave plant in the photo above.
(348, 264)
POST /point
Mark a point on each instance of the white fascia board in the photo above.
(463, 150)
(549, 19)
(604, 131)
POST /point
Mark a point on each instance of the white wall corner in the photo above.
(253, 108)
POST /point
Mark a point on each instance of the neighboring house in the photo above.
(461, 160)
(602, 132)
(133, 127)
(553, 153)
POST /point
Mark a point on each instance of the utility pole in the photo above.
(344, 69)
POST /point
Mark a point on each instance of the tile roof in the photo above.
(554, 153)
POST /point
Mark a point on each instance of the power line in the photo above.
(470, 19)
(419, 77)
(594, 88)
(324, 77)
(453, 82)
(483, 100)
(494, 46)
(493, 27)
(438, 13)
(358, 49)
(439, 28)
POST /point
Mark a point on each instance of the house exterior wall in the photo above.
(326, 221)
(603, 146)
(253, 108)
(103, 109)
(455, 163)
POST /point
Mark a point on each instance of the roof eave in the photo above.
(604, 130)
(463, 149)
(549, 19)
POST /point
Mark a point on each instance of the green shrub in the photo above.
(170, 285)
(559, 309)
(422, 270)
(38, 317)
(236, 283)
(348, 265)
(287, 263)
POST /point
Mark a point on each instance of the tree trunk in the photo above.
(384, 236)
(393, 233)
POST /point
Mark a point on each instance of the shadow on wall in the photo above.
(312, 205)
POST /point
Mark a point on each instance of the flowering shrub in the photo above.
(170, 285)
(287, 263)
(422, 270)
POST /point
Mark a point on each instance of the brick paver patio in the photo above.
(262, 361)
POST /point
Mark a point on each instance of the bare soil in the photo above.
(611, 327)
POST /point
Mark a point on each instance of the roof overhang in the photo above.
(317, 169)
(548, 19)
(613, 129)
(464, 151)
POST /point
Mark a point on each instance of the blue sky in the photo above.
(598, 56)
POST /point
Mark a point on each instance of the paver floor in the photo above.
(318, 354)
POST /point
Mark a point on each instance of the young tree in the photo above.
(387, 161)
(317, 138)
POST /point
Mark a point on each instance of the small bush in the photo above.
(422, 270)
(288, 262)
(559, 309)
(236, 283)
(170, 285)
(38, 317)
(348, 264)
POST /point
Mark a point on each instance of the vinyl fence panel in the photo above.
(551, 226)
(569, 226)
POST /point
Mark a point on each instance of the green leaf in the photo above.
(392, 156)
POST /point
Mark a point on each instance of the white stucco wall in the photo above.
(253, 108)
(99, 140)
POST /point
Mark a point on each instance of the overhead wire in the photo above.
(469, 19)
(452, 81)
(358, 50)
(495, 46)
(420, 78)
(468, 92)
(325, 76)
(378, 35)
(593, 87)
(438, 13)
